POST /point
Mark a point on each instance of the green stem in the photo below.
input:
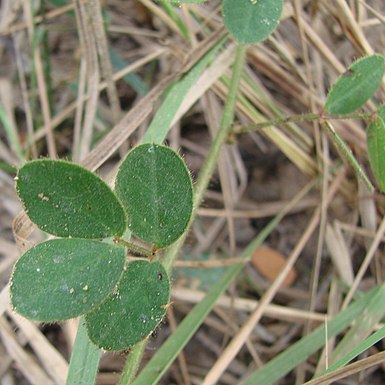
(135, 249)
(324, 119)
(132, 363)
(211, 160)
(202, 183)
(310, 117)
(224, 128)
(347, 154)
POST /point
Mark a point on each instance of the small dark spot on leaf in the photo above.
(160, 276)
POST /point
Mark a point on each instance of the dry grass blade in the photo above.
(41, 82)
(365, 264)
(356, 367)
(88, 44)
(53, 362)
(24, 361)
(129, 123)
(237, 342)
(248, 305)
(378, 15)
(4, 300)
(60, 117)
(339, 253)
(105, 63)
(23, 84)
(37, 19)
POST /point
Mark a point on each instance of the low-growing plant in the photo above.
(80, 274)
(86, 271)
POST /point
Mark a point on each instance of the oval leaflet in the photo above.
(133, 310)
(64, 278)
(67, 200)
(155, 187)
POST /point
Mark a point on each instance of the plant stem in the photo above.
(203, 180)
(347, 154)
(336, 139)
(132, 363)
(211, 160)
(300, 118)
(135, 249)
(224, 128)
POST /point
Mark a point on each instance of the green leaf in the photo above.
(251, 21)
(155, 187)
(376, 147)
(66, 200)
(164, 357)
(354, 87)
(64, 278)
(134, 310)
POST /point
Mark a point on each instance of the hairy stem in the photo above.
(135, 249)
(208, 168)
(211, 160)
(132, 363)
(310, 117)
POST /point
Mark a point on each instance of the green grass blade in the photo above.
(363, 326)
(347, 154)
(279, 366)
(160, 125)
(8, 168)
(131, 78)
(84, 359)
(11, 135)
(359, 349)
(168, 7)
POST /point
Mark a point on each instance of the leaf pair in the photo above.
(65, 278)
(153, 184)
